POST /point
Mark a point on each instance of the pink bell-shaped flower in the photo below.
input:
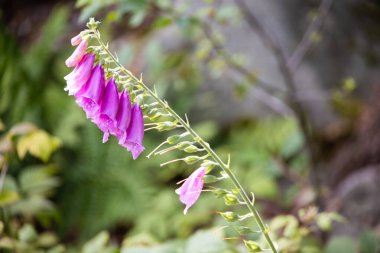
(77, 55)
(76, 40)
(106, 119)
(88, 97)
(79, 76)
(135, 132)
(191, 189)
(123, 117)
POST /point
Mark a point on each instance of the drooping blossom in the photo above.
(106, 119)
(135, 132)
(77, 55)
(76, 40)
(191, 189)
(88, 97)
(123, 117)
(79, 76)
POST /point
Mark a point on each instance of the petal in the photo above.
(88, 97)
(191, 189)
(76, 40)
(79, 76)
(77, 55)
(135, 132)
(106, 120)
(123, 117)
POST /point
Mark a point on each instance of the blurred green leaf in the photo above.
(369, 242)
(27, 233)
(39, 144)
(341, 244)
(206, 241)
(8, 197)
(38, 180)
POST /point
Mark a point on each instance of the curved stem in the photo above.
(203, 143)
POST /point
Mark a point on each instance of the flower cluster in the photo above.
(108, 108)
(114, 114)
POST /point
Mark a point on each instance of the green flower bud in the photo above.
(173, 139)
(252, 246)
(230, 199)
(155, 117)
(220, 192)
(230, 216)
(166, 126)
(183, 145)
(210, 179)
(191, 149)
(192, 159)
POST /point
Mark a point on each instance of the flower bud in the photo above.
(173, 139)
(230, 216)
(230, 199)
(192, 159)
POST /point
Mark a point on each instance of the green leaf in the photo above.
(206, 241)
(8, 197)
(27, 233)
(39, 144)
(162, 22)
(341, 244)
(369, 242)
(38, 180)
(137, 18)
(97, 244)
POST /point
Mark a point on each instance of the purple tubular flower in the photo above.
(77, 55)
(106, 119)
(191, 189)
(135, 132)
(88, 97)
(79, 76)
(123, 117)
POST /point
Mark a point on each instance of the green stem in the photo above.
(204, 144)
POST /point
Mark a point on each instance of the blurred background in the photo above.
(289, 88)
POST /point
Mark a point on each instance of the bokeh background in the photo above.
(288, 88)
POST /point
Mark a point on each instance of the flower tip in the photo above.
(76, 40)
(136, 151)
(105, 137)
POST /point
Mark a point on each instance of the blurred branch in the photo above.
(305, 44)
(264, 91)
(4, 171)
(257, 27)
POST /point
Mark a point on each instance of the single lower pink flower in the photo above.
(123, 117)
(76, 40)
(88, 97)
(191, 189)
(79, 76)
(77, 55)
(135, 132)
(106, 119)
